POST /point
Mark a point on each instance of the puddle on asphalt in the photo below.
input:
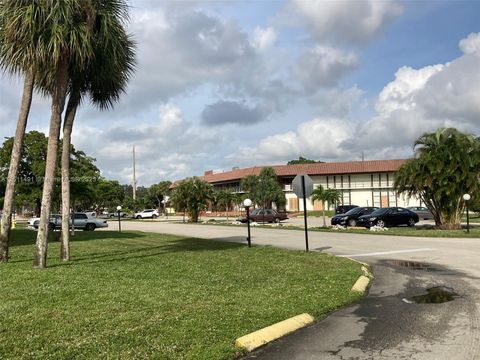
(434, 295)
(413, 265)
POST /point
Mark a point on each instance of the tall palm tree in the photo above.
(17, 56)
(323, 195)
(67, 42)
(105, 79)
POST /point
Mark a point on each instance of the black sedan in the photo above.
(388, 217)
(351, 216)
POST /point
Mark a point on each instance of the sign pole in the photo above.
(305, 212)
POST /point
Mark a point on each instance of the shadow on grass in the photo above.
(21, 237)
(181, 245)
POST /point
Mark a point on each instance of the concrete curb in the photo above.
(263, 336)
(363, 281)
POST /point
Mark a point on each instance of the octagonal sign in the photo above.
(297, 185)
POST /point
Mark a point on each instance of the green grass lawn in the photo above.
(135, 295)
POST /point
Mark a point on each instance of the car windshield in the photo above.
(255, 212)
(379, 212)
(353, 211)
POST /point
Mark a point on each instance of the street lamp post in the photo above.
(119, 208)
(247, 203)
(467, 197)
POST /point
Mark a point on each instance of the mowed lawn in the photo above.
(135, 295)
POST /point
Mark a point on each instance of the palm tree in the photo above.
(330, 196)
(17, 56)
(193, 194)
(446, 166)
(67, 42)
(105, 79)
(225, 198)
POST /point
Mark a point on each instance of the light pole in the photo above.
(466, 198)
(119, 208)
(247, 203)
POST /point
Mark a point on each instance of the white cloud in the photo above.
(264, 38)
(318, 139)
(400, 93)
(470, 44)
(323, 66)
(170, 149)
(415, 102)
(353, 22)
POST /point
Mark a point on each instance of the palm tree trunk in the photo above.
(323, 212)
(58, 103)
(15, 164)
(73, 102)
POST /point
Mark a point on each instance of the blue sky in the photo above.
(224, 84)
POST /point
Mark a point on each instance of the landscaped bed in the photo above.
(418, 230)
(144, 295)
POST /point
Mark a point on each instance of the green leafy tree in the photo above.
(446, 166)
(225, 199)
(192, 194)
(264, 189)
(109, 194)
(330, 196)
(159, 192)
(302, 160)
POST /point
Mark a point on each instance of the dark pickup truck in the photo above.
(265, 215)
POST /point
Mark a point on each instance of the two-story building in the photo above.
(362, 183)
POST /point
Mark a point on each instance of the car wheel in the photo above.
(352, 223)
(51, 227)
(90, 227)
(411, 222)
(138, 217)
(112, 216)
(380, 223)
(154, 216)
(277, 220)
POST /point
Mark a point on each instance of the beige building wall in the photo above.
(357, 189)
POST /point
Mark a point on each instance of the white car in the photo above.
(146, 214)
(83, 221)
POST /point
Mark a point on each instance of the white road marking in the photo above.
(388, 252)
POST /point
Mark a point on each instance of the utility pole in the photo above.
(134, 178)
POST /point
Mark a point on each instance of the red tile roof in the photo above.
(338, 168)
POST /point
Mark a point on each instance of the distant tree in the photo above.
(225, 199)
(302, 160)
(84, 173)
(330, 196)
(446, 166)
(192, 194)
(264, 189)
(109, 194)
(159, 191)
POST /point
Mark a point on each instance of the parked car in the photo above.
(115, 214)
(351, 216)
(388, 217)
(82, 221)
(146, 214)
(422, 212)
(265, 215)
(342, 209)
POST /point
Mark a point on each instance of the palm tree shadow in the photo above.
(22, 237)
(181, 245)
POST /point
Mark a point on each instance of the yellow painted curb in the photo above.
(361, 284)
(263, 336)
